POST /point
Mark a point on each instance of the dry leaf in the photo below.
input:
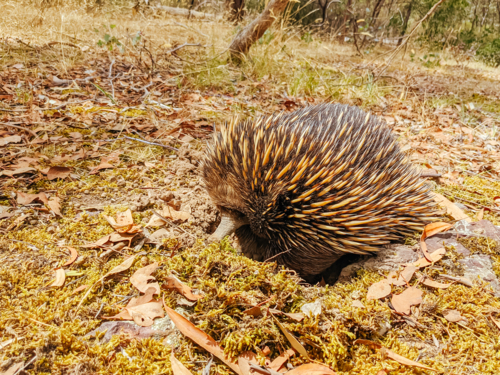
(480, 214)
(434, 284)
(254, 311)
(13, 369)
(58, 172)
(402, 302)
(379, 290)
(17, 171)
(293, 341)
(79, 289)
(55, 205)
(281, 359)
(451, 208)
(394, 356)
(430, 230)
(12, 139)
(173, 283)
(168, 213)
(435, 256)
(311, 369)
(103, 165)
(200, 337)
(177, 367)
(141, 277)
(405, 276)
(25, 199)
(453, 316)
(60, 278)
(125, 265)
(497, 323)
(74, 255)
(357, 303)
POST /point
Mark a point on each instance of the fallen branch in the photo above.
(185, 45)
(19, 127)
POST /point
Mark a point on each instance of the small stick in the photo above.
(171, 223)
(274, 256)
(19, 127)
(185, 45)
(461, 280)
(149, 143)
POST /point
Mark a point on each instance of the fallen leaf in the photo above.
(55, 205)
(357, 303)
(79, 289)
(435, 256)
(298, 317)
(281, 359)
(200, 337)
(313, 308)
(434, 284)
(405, 276)
(453, 316)
(177, 367)
(293, 341)
(451, 208)
(141, 277)
(74, 255)
(394, 356)
(12, 139)
(379, 290)
(173, 283)
(497, 323)
(430, 230)
(60, 278)
(254, 311)
(168, 213)
(244, 361)
(58, 172)
(17, 171)
(25, 199)
(311, 369)
(402, 302)
(13, 369)
(143, 315)
(101, 166)
(480, 214)
(125, 265)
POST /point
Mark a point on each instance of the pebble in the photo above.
(51, 229)
(192, 184)
(85, 192)
(104, 195)
(33, 222)
(173, 156)
(121, 183)
(167, 196)
(133, 207)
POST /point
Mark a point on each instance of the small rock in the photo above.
(175, 204)
(85, 192)
(121, 183)
(104, 195)
(173, 156)
(144, 261)
(168, 196)
(51, 229)
(192, 184)
(313, 308)
(133, 208)
(33, 222)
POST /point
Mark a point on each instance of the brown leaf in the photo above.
(293, 341)
(453, 316)
(200, 337)
(311, 369)
(405, 276)
(25, 199)
(79, 289)
(430, 230)
(497, 323)
(146, 298)
(402, 302)
(144, 314)
(173, 283)
(168, 213)
(13, 369)
(434, 284)
(11, 139)
(125, 265)
(480, 214)
(103, 165)
(379, 290)
(244, 361)
(60, 278)
(58, 172)
(435, 256)
(357, 303)
(254, 311)
(74, 255)
(298, 317)
(281, 359)
(17, 171)
(451, 208)
(394, 356)
(177, 367)
(141, 277)
(55, 205)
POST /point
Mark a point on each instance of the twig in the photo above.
(274, 256)
(190, 28)
(461, 280)
(185, 45)
(398, 48)
(147, 142)
(19, 127)
(171, 223)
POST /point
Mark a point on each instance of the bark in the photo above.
(405, 22)
(250, 34)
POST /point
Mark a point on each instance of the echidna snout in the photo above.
(306, 187)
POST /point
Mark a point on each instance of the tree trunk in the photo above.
(250, 34)
(405, 22)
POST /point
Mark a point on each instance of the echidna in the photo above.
(309, 186)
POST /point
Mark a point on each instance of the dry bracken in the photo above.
(309, 186)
